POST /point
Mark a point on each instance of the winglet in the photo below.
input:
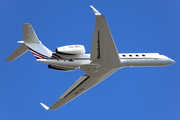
(45, 107)
(96, 12)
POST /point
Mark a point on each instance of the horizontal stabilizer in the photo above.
(45, 107)
(18, 52)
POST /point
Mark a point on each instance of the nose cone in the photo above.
(171, 61)
(168, 61)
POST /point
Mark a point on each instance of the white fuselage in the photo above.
(127, 60)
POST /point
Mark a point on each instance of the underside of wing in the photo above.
(103, 47)
(83, 84)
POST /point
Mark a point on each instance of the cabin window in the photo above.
(70, 60)
(143, 55)
(137, 55)
(124, 55)
(130, 55)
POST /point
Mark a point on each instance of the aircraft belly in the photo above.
(66, 62)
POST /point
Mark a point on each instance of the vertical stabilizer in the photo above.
(29, 35)
(32, 43)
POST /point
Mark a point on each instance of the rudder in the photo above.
(31, 42)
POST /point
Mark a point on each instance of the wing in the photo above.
(103, 49)
(105, 61)
(80, 86)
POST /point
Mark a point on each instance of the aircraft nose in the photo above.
(171, 61)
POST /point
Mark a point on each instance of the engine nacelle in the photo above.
(71, 50)
(61, 68)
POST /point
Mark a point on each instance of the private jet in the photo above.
(103, 60)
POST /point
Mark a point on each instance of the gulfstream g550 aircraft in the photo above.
(101, 63)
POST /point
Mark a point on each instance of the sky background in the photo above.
(146, 93)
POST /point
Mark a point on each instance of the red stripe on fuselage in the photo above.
(36, 54)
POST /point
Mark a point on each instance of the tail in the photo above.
(32, 43)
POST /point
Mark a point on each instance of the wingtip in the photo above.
(44, 106)
(96, 12)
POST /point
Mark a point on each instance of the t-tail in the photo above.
(32, 43)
